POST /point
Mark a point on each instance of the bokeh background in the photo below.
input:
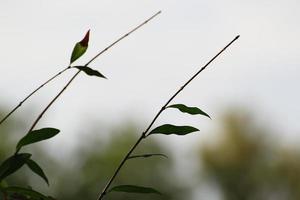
(249, 150)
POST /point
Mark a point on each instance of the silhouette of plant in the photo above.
(19, 158)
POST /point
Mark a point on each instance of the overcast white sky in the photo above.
(260, 72)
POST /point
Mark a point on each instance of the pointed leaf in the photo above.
(134, 189)
(37, 136)
(32, 194)
(168, 129)
(189, 110)
(37, 169)
(12, 164)
(90, 71)
(80, 47)
(147, 155)
(78, 51)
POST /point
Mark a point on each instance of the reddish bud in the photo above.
(85, 41)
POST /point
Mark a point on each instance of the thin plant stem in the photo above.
(124, 36)
(52, 101)
(32, 93)
(91, 60)
(59, 73)
(144, 134)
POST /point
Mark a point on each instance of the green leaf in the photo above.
(12, 164)
(32, 194)
(37, 136)
(189, 110)
(37, 169)
(134, 189)
(168, 129)
(90, 71)
(147, 155)
(80, 48)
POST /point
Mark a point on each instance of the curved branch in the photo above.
(144, 134)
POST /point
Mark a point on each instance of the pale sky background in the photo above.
(259, 73)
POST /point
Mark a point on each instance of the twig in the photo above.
(52, 101)
(100, 53)
(59, 73)
(32, 93)
(124, 36)
(144, 134)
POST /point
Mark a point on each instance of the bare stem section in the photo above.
(32, 93)
(144, 134)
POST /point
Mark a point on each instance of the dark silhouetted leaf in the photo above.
(80, 48)
(90, 71)
(168, 129)
(147, 155)
(189, 110)
(37, 169)
(12, 164)
(26, 192)
(37, 136)
(134, 189)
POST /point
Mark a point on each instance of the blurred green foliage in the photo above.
(85, 172)
(247, 164)
(96, 162)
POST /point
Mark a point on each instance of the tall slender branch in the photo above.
(91, 60)
(144, 134)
